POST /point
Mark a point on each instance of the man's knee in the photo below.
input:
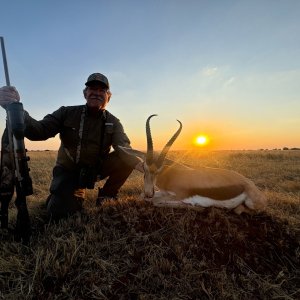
(60, 207)
(113, 165)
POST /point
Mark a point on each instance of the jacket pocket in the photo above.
(107, 138)
(69, 135)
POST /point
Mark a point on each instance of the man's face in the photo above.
(97, 96)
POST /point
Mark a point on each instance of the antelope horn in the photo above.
(165, 150)
(149, 155)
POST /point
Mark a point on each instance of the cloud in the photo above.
(210, 71)
(229, 81)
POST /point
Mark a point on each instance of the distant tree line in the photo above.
(284, 148)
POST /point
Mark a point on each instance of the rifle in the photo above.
(14, 166)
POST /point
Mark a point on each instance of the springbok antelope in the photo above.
(182, 186)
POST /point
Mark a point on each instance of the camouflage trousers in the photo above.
(66, 197)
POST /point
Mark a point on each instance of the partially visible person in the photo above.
(87, 134)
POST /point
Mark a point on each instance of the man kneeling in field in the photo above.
(87, 133)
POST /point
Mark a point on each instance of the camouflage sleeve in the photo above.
(119, 137)
(46, 128)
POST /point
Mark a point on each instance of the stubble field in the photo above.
(130, 250)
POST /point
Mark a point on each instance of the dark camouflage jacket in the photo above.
(98, 134)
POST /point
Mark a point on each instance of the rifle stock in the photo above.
(7, 178)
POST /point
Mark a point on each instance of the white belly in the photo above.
(208, 202)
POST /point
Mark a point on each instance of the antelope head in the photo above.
(154, 165)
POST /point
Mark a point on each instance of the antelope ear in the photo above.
(133, 158)
(130, 151)
(169, 163)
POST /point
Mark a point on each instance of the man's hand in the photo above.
(8, 94)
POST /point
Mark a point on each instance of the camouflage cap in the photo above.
(97, 77)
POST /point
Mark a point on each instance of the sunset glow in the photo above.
(233, 92)
(201, 140)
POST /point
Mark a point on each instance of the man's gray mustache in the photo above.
(96, 98)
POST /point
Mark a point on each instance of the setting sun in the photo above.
(201, 140)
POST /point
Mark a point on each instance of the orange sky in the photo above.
(218, 139)
(227, 69)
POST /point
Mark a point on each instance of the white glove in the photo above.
(8, 94)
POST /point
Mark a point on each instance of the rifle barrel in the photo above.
(4, 61)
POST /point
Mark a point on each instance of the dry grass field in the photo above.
(131, 250)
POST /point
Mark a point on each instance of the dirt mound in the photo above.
(182, 247)
(132, 250)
